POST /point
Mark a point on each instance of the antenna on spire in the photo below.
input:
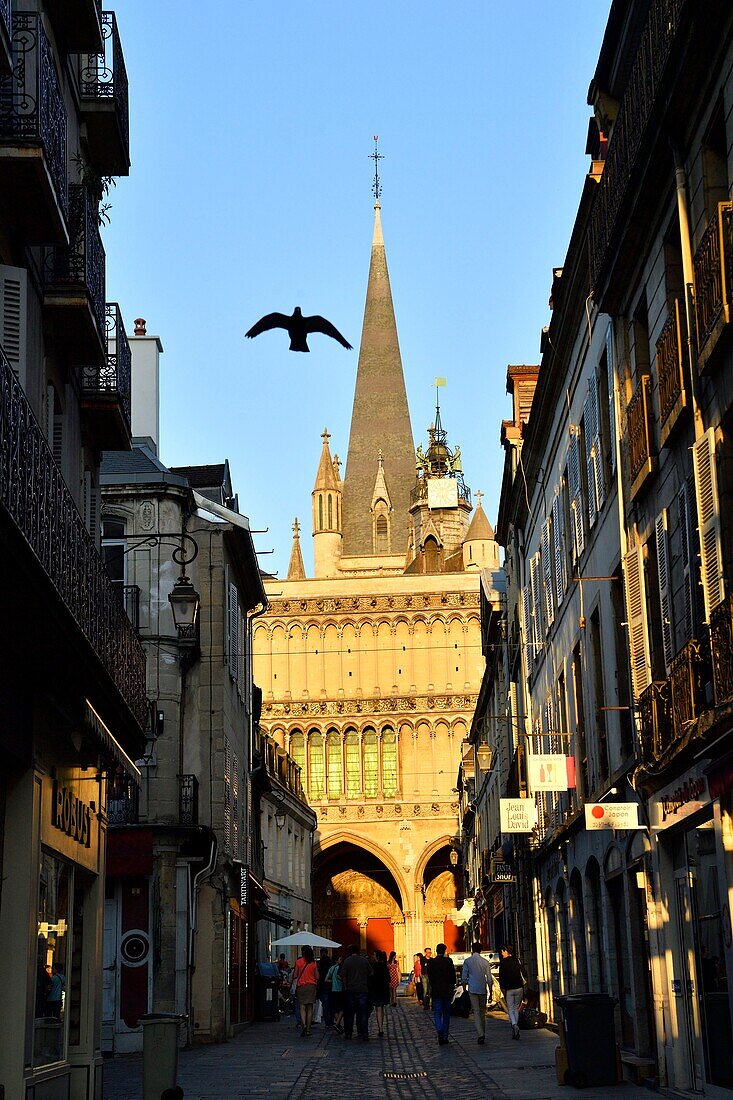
(376, 156)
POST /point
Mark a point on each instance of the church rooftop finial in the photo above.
(376, 156)
(325, 436)
(296, 529)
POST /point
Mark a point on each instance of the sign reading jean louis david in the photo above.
(517, 815)
(612, 815)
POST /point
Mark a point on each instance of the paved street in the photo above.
(272, 1060)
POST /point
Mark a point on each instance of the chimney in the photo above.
(145, 385)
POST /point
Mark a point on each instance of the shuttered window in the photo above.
(575, 490)
(637, 619)
(91, 506)
(13, 317)
(536, 608)
(593, 452)
(689, 571)
(528, 644)
(232, 640)
(708, 517)
(558, 539)
(665, 589)
(547, 574)
(611, 372)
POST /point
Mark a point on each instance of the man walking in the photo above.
(442, 975)
(476, 974)
(355, 974)
(511, 984)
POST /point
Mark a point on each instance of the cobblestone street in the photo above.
(271, 1059)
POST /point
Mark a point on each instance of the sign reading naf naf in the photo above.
(612, 815)
(517, 815)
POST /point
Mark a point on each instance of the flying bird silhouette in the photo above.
(298, 328)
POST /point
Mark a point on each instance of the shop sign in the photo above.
(550, 772)
(517, 815)
(612, 815)
(243, 884)
(503, 873)
(71, 815)
(688, 794)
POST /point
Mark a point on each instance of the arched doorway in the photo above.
(356, 899)
(443, 899)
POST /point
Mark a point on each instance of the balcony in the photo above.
(33, 137)
(6, 37)
(638, 104)
(122, 799)
(104, 103)
(672, 366)
(53, 583)
(106, 389)
(75, 283)
(690, 672)
(78, 23)
(642, 462)
(655, 711)
(713, 266)
(129, 595)
(721, 644)
(188, 800)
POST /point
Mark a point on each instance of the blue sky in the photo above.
(250, 191)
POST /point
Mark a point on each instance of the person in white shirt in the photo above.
(476, 974)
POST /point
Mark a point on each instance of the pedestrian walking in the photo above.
(427, 956)
(336, 994)
(379, 989)
(417, 972)
(355, 973)
(395, 977)
(476, 974)
(512, 980)
(306, 983)
(442, 978)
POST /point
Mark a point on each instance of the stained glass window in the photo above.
(335, 766)
(297, 750)
(389, 763)
(317, 766)
(371, 764)
(353, 765)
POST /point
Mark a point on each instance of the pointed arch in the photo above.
(321, 848)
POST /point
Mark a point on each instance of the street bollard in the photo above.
(160, 1054)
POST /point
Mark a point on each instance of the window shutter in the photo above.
(708, 518)
(610, 367)
(575, 489)
(547, 576)
(13, 317)
(597, 449)
(588, 437)
(528, 647)
(558, 535)
(665, 591)
(689, 573)
(637, 620)
(232, 639)
(536, 609)
(54, 425)
(241, 663)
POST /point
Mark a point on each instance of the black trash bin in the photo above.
(267, 981)
(590, 1039)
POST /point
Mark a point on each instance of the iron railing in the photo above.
(671, 363)
(420, 490)
(188, 800)
(721, 645)
(129, 594)
(713, 266)
(114, 377)
(689, 672)
(36, 498)
(103, 76)
(631, 122)
(32, 106)
(639, 430)
(6, 18)
(81, 263)
(122, 799)
(655, 713)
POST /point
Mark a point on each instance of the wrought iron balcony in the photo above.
(122, 799)
(188, 800)
(75, 281)
(106, 387)
(630, 126)
(129, 595)
(672, 366)
(33, 137)
(713, 265)
(689, 674)
(6, 36)
(104, 102)
(642, 462)
(721, 645)
(655, 711)
(46, 524)
(78, 23)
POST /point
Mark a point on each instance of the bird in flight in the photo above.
(298, 328)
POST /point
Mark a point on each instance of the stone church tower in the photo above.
(370, 670)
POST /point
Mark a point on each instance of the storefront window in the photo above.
(49, 1035)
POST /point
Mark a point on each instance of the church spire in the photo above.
(380, 417)
(296, 569)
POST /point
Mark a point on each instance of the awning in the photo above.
(108, 743)
(284, 920)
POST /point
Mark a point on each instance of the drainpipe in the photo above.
(198, 880)
(689, 279)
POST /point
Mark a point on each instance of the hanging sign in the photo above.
(550, 772)
(517, 815)
(688, 794)
(502, 872)
(612, 815)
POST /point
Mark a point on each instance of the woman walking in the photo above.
(511, 982)
(394, 977)
(306, 981)
(417, 972)
(336, 994)
(379, 990)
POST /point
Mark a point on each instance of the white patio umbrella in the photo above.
(299, 938)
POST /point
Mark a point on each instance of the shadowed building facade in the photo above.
(371, 668)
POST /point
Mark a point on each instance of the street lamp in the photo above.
(453, 857)
(185, 603)
(484, 757)
(280, 817)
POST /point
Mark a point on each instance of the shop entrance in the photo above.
(704, 986)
